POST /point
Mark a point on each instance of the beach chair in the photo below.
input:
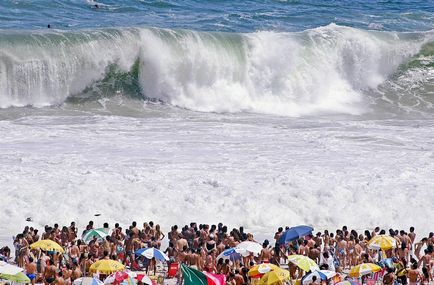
(173, 270)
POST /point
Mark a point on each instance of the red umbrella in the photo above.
(116, 277)
(144, 279)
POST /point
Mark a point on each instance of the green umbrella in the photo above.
(18, 278)
(100, 234)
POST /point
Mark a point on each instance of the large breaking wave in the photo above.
(330, 69)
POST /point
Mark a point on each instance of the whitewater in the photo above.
(183, 120)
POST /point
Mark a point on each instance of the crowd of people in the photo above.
(198, 246)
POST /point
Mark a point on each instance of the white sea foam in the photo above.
(242, 170)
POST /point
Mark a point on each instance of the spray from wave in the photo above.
(324, 70)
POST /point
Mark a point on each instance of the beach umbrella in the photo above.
(261, 269)
(247, 247)
(128, 281)
(195, 277)
(90, 234)
(144, 279)
(348, 282)
(116, 277)
(9, 269)
(294, 233)
(230, 254)
(87, 281)
(47, 245)
(152, 252)
(106, 266)
(275, 276)
(363, 269)
(382, 242)
(19, 277)
(303, 262)
(320, 275)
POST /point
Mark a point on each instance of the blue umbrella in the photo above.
(150, 253)
(230, 254)
(294, 233)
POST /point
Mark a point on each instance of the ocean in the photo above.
(255, 113)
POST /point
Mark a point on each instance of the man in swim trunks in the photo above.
(31, 270)
(413, 275)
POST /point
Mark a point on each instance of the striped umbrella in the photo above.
(348, 282)
(98, 233)
(144, 279)
(320, 275)
(303, 262)
(150, 253)
(87, 281)
(230, 254)
(363, 269)
(382, 242)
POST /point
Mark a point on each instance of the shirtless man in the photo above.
(31, 270)
(76, 272)
(181, 243)
(195, 261)
(303, 249)
(318, 239)
(418, 247)
(181, 255)
(314, 253)
(94, 247)
(59, 279)
(67, 273)
(239, 280)
(265, 255)
(425, 261)
(414, 275)
(50, 272)
(134, 230)
(403, 251)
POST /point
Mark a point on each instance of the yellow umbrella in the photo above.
(303, 262)
(262, 269)
(382, 242)
(47, 245)
(106, 266)
(363, 269)
(276, 276)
